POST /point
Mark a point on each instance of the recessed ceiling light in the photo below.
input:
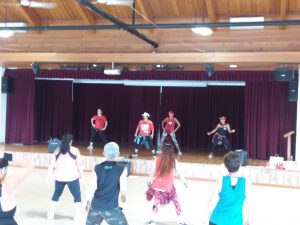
(204, 31)
(233, 66)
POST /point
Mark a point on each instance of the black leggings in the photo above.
(210, 223)
(101, 134)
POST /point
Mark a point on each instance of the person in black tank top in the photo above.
(9, 185)
(108, 182)
(219, 137)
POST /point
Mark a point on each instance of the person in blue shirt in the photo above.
(108, 182)
(229, 204)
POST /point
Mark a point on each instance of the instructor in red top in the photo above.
(144, 134)
(99, 125)
(168, 125)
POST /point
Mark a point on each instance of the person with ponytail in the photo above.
(9, 185)
(65, 163)
(161, 185)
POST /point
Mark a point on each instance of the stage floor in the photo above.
(189, 155)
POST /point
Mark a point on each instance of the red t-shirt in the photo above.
(145, 127)
(99, 121)
(170, 125)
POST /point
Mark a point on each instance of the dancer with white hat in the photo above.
(144, 134)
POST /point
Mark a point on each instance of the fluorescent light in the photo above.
(14, 24)
(116, 2)
(6, 33)
(204, 31)
(245, 20)
(233, 66)
(164, 83)
(112, 71)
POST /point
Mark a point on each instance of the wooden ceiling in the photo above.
(69, 12)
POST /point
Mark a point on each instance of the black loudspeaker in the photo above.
(293, 91)
(7, 85)
(284, 74)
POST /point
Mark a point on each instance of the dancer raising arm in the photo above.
(9, 185)
(219, 137)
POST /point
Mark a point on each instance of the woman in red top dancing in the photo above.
(161, 186)
(168, 125)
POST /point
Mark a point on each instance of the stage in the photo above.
(195, 166)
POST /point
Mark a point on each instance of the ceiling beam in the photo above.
(211, 11)
(145, 10)
(217, 57)
(30, 16)
(87, 16)
(283, 11)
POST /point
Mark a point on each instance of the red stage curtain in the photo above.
(268, 115)
(198, 110)
(121, 105)
(53, 109)
(20, 108)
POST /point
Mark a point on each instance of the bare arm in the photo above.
(137, 129)
(247, 204)
(105, 125)
(92, 122)
(123, 185)
(214, 199)
(229, 129)
(90, 191)
(51, 166)
(214, 130)
(180, 174)
(78, 162)
(178, 124)
(152, 130)
(163, 123)
(17, 178)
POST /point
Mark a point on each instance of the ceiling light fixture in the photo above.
(246, 20)
(233, 66)
(204, 31)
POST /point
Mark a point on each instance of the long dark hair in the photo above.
(166, 161)
(65, 143)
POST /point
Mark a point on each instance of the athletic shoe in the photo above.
(153, 153)
(50, 215)
(179, 153)
(90, 147)
(134, 155)
(151, 222)
(210, 155)
(183, 223)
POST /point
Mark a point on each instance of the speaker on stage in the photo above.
(284, 74)
(7, 85)
(293, 91)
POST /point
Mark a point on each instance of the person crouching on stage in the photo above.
(229, 204)
(168, 125)
(99, 125)
(9, 185)
(144, 134)
(219, 137)
(161, 185)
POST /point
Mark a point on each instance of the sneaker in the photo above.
(179, 153)
(151, 223)
(210, 155)
(182, 223)
(90, 147)
(153, 153)
(50, 215)
(134, 155)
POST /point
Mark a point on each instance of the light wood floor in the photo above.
(189, 155)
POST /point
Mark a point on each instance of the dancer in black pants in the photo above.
(219, 137)
(99, 125)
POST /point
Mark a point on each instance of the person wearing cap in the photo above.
(168, 125)
(107, 184)
(219, 137)
(99, 125)
(144, 134)
(10, 185)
